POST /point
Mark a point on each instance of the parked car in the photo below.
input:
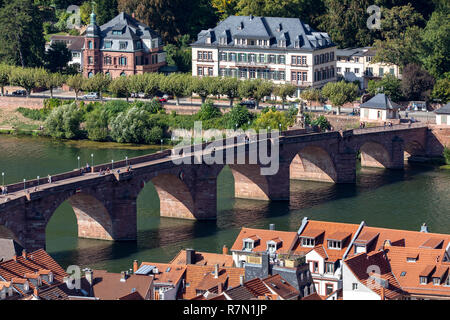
(162, 99)
(248, 103)
(19, 93)
(167, 96)
(91, 96)
(141, 95)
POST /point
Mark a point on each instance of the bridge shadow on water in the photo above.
(166, 236)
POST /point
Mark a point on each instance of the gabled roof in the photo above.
(167, 273)
(266, 28)
(444, 110)
(281, 287)
(257, 287)
(108, 286)
(240, 293)
(380, 101)
(285, 239)
(361, 263)
(9, 248)
(204, 258)
(74, 43)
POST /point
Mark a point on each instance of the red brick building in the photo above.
(122, 46)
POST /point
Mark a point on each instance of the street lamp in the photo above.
(112, 164)
(92, 158)
(24, 180)
(126, 161)
(161, 144)
(78, 162)
(3, 179)
(38, 180)
(279, 126)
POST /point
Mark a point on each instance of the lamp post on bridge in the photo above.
(161, 145)
(112, 164)
(126, 161)
(78, 158)
(38, 180)
(3, 179)
(24, 181)
(92, 159)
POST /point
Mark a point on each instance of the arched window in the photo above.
(90, 44)
(90, 75)
(108, 74)
(123, 74)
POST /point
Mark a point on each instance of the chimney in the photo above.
(123, 277)
(251, 17)
(272, 226)
(220, 288)
(190, 256)
(241, 279)
(135, 265)
(89, 276)
(216, 271)
(14, 257)
(36, 291)
(424, 228)
(264, 265)
(383, 293)
(225, 249)
(24, 254)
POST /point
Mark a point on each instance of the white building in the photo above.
(357, 64)
(379, 108)
(283, 50)
(75, 46)
(443, 115)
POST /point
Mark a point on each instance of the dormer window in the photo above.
(436, 281)
(208, 40)
(423, 280)
(123, 45)
(138, 45)
(223, 41)
(308, 242)
(333, 244)
(248, 245)
(411, 259)
(282, 43)
(108, 44)
(447, 282)
(271, 247)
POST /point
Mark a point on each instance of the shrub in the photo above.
(34, 114)
(322, 123)
(97, 125)
(239, 115)
(132, 126)
(114, 107)
(447, 155)
(64, 122)
(208, 111)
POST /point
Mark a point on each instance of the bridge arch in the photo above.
(249, 183)
(414, 148)
(375, 155)
(313, 163)
(94, 221)
(174, 195)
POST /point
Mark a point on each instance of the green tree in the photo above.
(208, 111)
(152, 83)
(64, 122)
(120, 87)
(285, 90)
(263, 89)
(97, 124)
(5, 72)
(441, 91)
(98, 83)
(52, 81)
(27, 78)
(176, 84)
(436, 41)
(57, 57)
(396, 20)
(22, 40)
(132, 126)
(311, 95)
(389, 85)
(225, 8)
(272, 119)
(76, 82)
(416, 83)
(340, 93)
(229, 87)
(201, 87)
(239, 115)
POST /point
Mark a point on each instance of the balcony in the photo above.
(302, 83)
(251, 64)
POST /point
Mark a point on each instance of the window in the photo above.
(333, 244)
(329, 267)
(252, 74)
(138, 45)
(391, 71)
(90, 45)
(272, 59)
(447, 282)
(329, 288)
(282, 75)
(423, 280)
(123, 61)
(248, 245)
(108, 44)
(347, 70)
(117, 32)
(368, 59)
(338, 69)
(314, 266)
(90, 60)
(282, 59)
(411, 259)
(381, 72)
(107, 60)
(200, 71)
(210, 72)
(436, 281)
(354, 286)
(123, 45)
(90, 75)
(356, 59)
(209, 56)
(272, 247)
(356, 70)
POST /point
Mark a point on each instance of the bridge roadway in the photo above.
(105, 205)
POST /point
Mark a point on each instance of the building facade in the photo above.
(443, 115)
(283, 50)
(121, 47)
(357, 64)
(75, 45)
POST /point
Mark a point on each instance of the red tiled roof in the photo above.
(312, 233)
(287, 239)
(257, 287)
(281, 287)
(205, 258)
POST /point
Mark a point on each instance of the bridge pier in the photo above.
(345, 164)
(398, 154)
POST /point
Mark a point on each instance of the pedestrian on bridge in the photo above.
(49, 179)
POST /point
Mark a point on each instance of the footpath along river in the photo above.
(382, 198)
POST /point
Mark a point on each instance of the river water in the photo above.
(382, 198)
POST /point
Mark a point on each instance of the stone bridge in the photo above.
(105, 204)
